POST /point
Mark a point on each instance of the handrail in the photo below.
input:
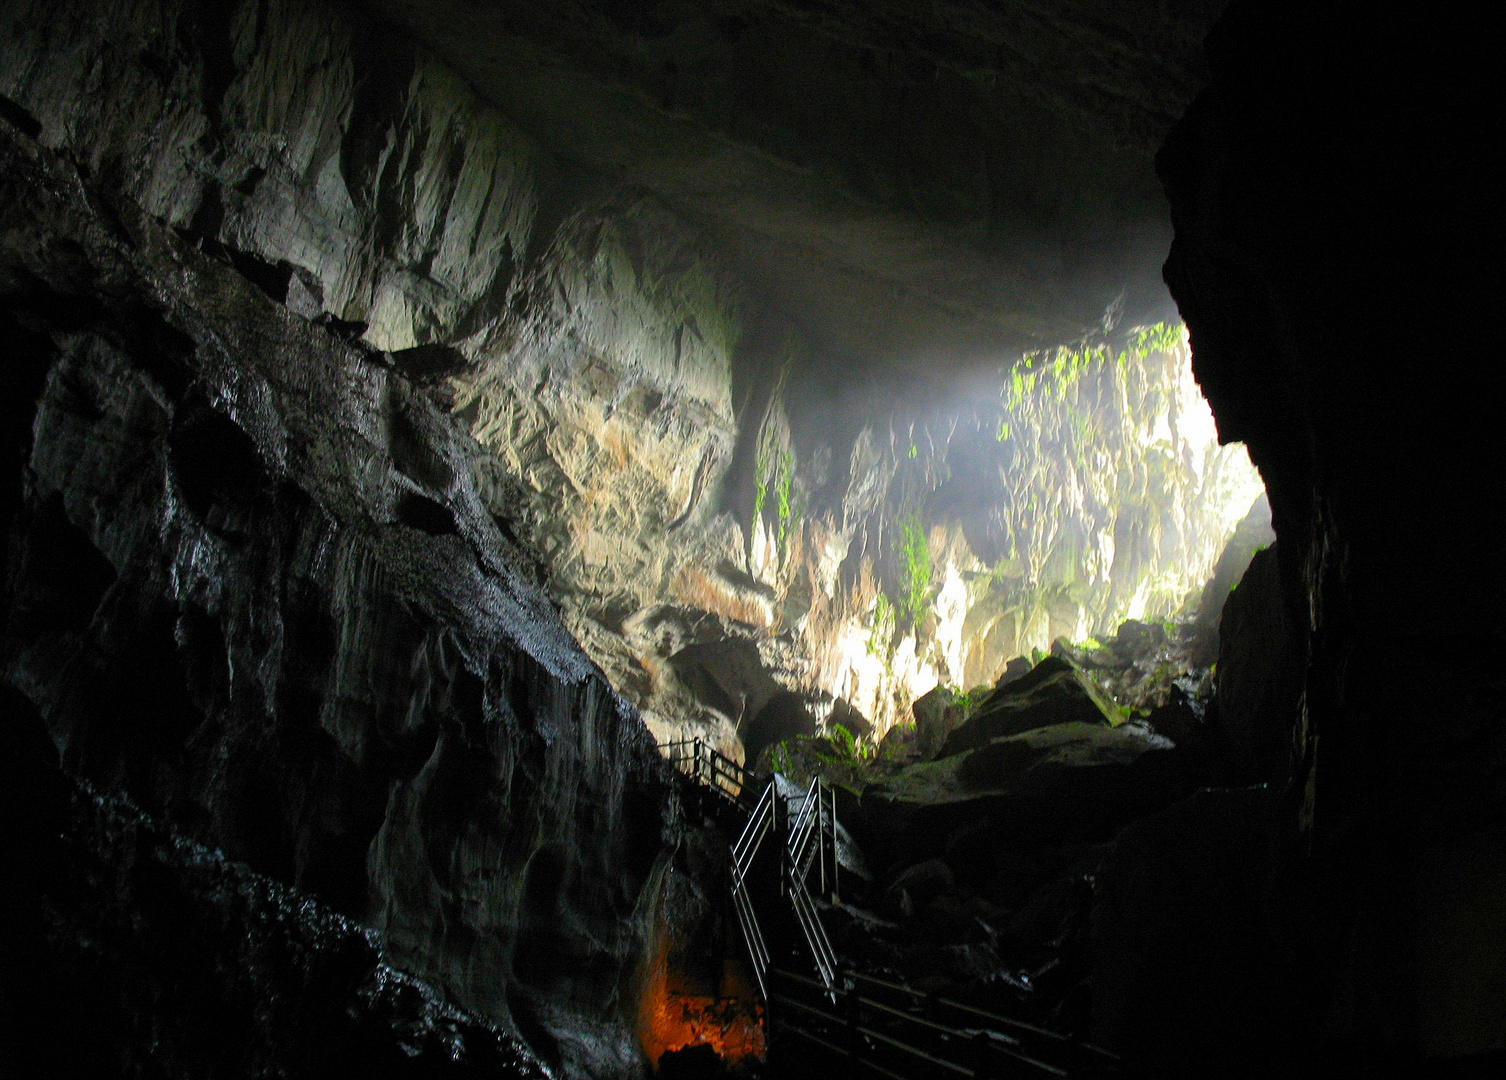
(981, 1043)
(758, 950)
(809, 919)
(991, 1019)
(711, 766)
(759, 821)
(996, 1040)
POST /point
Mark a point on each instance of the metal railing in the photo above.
(812, 835)
(744, 849)
(813, 839)
(852, 1020)
(874, 1027)
(713, 769)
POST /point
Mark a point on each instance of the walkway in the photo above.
(826, 1018)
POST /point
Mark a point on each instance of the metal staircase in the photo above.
(804, 824)
(849, 1024)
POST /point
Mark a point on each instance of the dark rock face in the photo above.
(1052, 693)
(132, 950)
(251, 583)
(1188, 971)
(1259, 672)
(1337, 217)
(908, 180)
(1069, 782)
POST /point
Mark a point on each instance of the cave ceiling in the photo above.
(914, 185)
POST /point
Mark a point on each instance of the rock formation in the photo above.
(419, 409)
(726, 515)
(252, 583)
(1336, 219)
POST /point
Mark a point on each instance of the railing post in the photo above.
(779, 820)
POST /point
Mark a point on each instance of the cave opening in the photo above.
(605, 538)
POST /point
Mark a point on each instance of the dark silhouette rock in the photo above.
(1259, 672)
(1332, 175)
(699, 1062)
(1189, 977)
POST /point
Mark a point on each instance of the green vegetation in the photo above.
(1162, 337)
(839, 757)
(1003, 435)
(761, 475)
(881, 632)
(846, 748)
(1066, 365)
(970, 699)
(916, 549)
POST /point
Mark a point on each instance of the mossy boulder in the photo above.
(1053, 692)
(1071, 782)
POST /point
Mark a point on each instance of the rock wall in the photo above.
(711, 490)
(1337, 220)
(132, 950)
(251, 581)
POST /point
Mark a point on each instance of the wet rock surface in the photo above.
(252, 584)
(137, 951)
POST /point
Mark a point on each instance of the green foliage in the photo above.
(1160, 338)
(838, 756)
(916, 549)
(970, 699)
(847, 749)
(786, 483)
(881, 633)
(1003, 435)
(914, 451)
(761, 475)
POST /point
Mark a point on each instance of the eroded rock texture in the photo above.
(726, 383)
(252, 583)
(1337, 222)
(134, 951)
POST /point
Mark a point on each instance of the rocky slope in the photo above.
(251, 582)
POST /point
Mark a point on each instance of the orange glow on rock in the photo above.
(732, 1026)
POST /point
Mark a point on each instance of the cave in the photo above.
(760, 538)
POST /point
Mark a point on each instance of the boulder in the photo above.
(937, 715)
(1053, 692)
(1066, 783)
(916, 886)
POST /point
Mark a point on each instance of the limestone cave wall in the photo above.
(741, 527)
(1337, 221)
(252, 584)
